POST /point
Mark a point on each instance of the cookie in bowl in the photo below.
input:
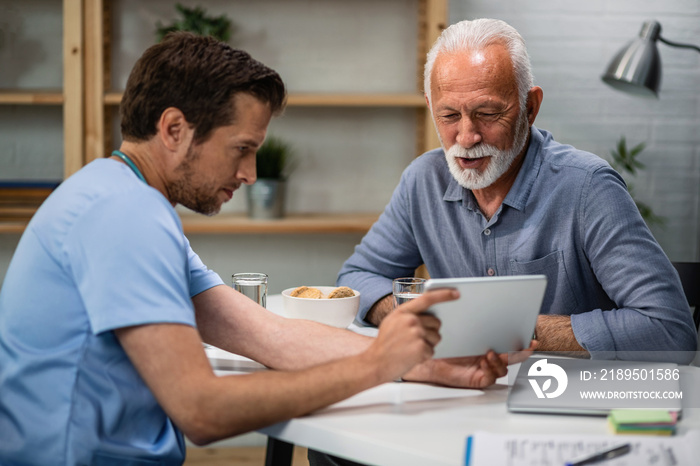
(306, 292)
(336, 306)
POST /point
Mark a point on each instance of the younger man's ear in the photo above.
(173, 129)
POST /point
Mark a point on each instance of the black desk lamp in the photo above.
(636, 69)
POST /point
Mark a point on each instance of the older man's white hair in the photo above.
(477, 35)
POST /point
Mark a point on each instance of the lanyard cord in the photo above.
(131, 164)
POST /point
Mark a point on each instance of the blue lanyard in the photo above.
(131, 164)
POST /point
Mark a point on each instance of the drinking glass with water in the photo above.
(252, 285)
(406, 289)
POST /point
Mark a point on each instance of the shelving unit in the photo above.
(88, 102)
(70, 98)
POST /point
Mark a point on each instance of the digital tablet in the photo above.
(497, 313)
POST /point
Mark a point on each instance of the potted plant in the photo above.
(197, 22)
(624, 160)
(273, 163)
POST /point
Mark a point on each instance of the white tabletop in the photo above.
(419, 424)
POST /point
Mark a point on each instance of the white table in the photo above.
(416, 424)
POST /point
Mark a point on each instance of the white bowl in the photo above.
(336, 312)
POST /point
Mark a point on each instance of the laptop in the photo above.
(492, 313)
(593, 387)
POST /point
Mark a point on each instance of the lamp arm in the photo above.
(676, 44)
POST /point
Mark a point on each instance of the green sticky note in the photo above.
(640, 416)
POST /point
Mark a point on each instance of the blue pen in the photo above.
(606, 455)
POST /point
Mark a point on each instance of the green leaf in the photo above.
(275, 159)
(195, 20)
(624, 160)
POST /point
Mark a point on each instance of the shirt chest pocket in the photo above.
(559, 297)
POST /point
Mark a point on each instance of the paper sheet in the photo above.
(487, 449)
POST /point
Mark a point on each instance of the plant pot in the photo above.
(266, 199)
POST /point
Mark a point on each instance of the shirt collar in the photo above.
(520, 191)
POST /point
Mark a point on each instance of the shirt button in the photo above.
(487, 231)
(491, 272)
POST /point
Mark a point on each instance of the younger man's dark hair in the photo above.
(199, 76)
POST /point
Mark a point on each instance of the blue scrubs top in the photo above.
(105, 251)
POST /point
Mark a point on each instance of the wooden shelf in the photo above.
(13, 226)
(356, 100)
(291, 224)
(241, 224)
(31, 97)
(17, 213)
(330, 100)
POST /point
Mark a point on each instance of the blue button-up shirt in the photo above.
(568, 216)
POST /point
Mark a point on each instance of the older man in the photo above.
(503, 198)
(104, 306)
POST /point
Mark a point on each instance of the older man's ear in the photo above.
(534, 100)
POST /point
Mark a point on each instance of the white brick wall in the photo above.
(570, 43)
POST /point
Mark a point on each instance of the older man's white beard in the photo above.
(498, 164)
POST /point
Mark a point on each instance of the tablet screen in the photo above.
(497, 313)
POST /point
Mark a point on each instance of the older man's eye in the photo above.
(488, 116)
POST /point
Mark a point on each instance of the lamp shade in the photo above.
(636, 69)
